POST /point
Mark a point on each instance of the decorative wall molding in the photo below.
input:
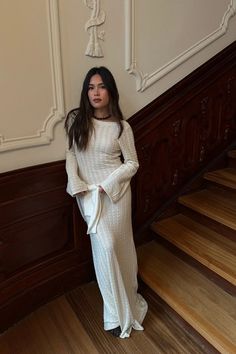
(97, 18)
(144, 80)
(57, 112)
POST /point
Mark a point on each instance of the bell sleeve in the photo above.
(118, 181)
(75, 184)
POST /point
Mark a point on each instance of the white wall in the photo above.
(148, 45)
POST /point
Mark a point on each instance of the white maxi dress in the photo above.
(108, 216)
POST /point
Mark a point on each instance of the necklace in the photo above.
(106, 117)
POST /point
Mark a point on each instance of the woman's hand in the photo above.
(101, 190)
(80, 194)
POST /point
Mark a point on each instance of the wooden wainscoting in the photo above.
(44, 249)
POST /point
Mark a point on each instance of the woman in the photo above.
(97, 138)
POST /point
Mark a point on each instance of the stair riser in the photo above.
(214, 186)
(212, 224)
(221, 282)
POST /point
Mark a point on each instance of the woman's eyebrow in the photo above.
(99, 84)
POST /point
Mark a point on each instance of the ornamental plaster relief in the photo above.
(145, 79)
(38, 129)
(97, 18)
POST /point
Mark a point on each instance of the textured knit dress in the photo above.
(113, 249)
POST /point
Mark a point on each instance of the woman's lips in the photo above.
(97, 100)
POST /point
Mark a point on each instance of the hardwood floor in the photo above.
(72, 324)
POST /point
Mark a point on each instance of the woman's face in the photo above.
(98, 94)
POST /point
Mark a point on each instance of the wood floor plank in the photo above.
(92, 319)
(52, 329)
(225, 177)
(72, 324)
(161, 334)
(216, 204)
(136, 343)
(205, 245)
(210, 310)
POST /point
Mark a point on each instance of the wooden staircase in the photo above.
(191, 264)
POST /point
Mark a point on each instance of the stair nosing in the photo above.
(184, 200)
(217, 177)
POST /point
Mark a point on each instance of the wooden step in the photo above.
(204, 305)
(225, 177)
(203, 244)
(218, 205)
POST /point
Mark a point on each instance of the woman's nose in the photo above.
(96, 90)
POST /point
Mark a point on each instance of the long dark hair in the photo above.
(78, 124)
